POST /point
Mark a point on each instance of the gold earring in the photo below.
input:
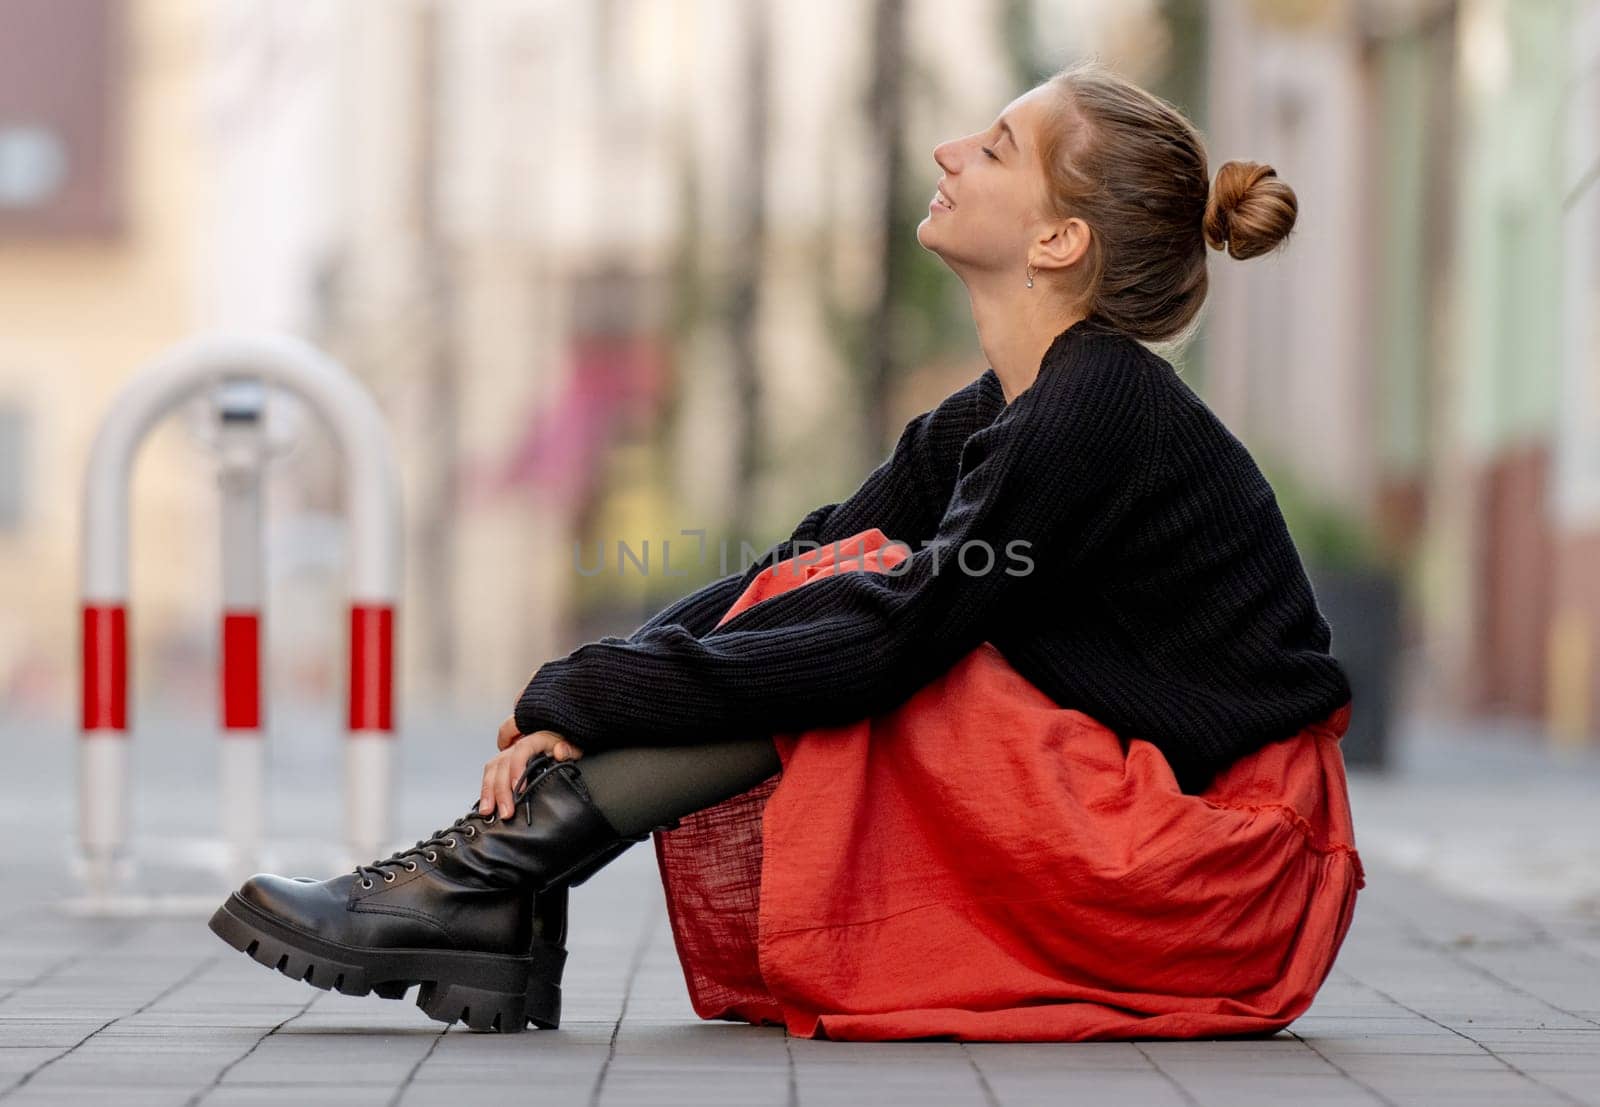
(1030, 276)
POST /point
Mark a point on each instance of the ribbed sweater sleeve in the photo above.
(1035, 492)
(699, 611)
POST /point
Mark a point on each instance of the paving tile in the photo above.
(1437, 998)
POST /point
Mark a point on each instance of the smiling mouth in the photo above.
(943, 201)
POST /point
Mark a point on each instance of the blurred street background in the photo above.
(623, 273)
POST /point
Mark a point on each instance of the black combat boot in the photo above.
(476, 914)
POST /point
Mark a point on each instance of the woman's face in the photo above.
(995, 184)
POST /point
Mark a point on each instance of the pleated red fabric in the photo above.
(981, 864)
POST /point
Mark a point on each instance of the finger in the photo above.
(513, 778)
(516, 758)
(495, 775)
(508, 733)
(486, 790)
(541, 744)
(503, 791)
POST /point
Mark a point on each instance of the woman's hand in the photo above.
(504, 769)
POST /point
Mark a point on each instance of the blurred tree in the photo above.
(1022, 54)
(747, 269)
(439, 499)
(1183, 82)
(886, 112)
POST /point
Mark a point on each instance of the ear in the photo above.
(1067, 243)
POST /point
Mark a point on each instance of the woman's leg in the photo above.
(640, 787)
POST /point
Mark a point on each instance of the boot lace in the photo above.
(426, 848)
(464, 827)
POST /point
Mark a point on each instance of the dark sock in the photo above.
(640, 787)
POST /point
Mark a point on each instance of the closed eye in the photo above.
(988, 151)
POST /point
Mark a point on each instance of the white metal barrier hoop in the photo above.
(197, 364)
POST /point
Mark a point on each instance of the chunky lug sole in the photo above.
(484, 990)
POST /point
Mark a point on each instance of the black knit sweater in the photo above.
(1104, 531)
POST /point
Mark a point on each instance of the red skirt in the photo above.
(982, 864)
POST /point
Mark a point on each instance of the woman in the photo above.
(1059, 761)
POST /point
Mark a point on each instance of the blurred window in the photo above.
(60, 90)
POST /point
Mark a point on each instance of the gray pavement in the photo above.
(1440, 995)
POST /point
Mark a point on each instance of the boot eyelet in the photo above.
(431, 856)
(488, 820)
(411, 866)
(472, 832)
(388, 878)
(449, 843)
(366, 883)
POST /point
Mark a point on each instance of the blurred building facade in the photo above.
(498, 215)
(495, 214)
(526, 226)
(1425, 353)
(100, 177)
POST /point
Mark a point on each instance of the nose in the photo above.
(944, 155)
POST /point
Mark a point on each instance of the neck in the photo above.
(1015, 330)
